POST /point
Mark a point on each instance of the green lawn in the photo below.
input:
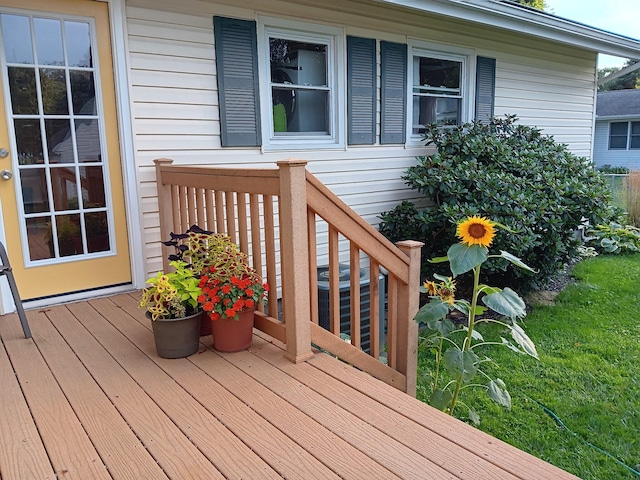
(588, 375)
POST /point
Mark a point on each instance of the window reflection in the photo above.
(22, 85)
(40, 238)
(16, 38)
(28, 141)
(64, 188)
(88, 141)
(78, 44)
(92, 185)
(59, 141)
(34, 190)
(48, 41)
(83, 93)
(54, 91)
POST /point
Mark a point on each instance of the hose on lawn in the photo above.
(561, 424)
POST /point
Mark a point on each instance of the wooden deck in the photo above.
(88, 398)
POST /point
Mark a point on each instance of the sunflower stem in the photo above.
(467, 341)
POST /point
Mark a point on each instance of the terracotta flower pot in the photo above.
(231, 335)
(177, 337)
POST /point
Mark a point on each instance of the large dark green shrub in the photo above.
(509, 173)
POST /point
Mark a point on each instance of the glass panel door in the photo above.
(51, 80)
(63, 209)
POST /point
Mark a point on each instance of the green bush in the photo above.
(613, 170)
(509, 173)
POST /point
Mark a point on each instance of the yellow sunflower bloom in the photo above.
(476, 231)
(430, 287)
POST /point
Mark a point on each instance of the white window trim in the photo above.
(313, 33)
(468, 71)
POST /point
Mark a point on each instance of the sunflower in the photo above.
(430, 287)
(476, 231)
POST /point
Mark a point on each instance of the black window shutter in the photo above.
(485, 88)
(393, 59)
(361, 90)
(237, 73)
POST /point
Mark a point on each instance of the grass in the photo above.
(588, 375)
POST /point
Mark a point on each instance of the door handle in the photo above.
(6, 175)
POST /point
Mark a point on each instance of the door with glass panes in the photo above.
(61, 185)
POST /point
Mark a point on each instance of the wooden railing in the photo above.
(287, 222)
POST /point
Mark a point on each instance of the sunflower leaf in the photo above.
(461, 363)
(463, 258)
(498, 393)
(506, 302)
(523, 340)
(440, 399)
(434, 310)
(516, 261)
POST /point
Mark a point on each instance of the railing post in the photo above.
(408, 304)
(164, 207)
(295, 264)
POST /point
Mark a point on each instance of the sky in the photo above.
(617, 16)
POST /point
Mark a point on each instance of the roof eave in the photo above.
(529, 21)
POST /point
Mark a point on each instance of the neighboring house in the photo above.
(344, 84)
(617, 136)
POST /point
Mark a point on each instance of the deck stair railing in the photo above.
(287, 222)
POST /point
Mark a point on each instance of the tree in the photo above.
(628, 81)
(537, 4)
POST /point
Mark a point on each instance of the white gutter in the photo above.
(528, 21)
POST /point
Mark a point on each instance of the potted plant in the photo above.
(171, 301)
(198, 249)
(231, 289)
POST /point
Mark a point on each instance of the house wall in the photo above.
(175, 103)
(616, 158)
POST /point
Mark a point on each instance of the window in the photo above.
(298, 74)
(624, 136)
(439, 89)
(437, 92)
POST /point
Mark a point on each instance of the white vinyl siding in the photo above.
(175, 99)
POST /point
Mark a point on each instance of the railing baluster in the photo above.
(191, 206)
(374, 309)
(256, 240)
(219, 212)
(201, 209)
(354, 295)
(334, 282)
(208, 198)
(231, 216)
(270, 247)
(392, 321)
(313, 265)
(242, 223)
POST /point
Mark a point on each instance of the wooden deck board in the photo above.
(262, 437)
(120, 449)
(22, 452)
(443, 452)
(87, 397)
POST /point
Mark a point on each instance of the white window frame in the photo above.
(333, 38)
(465, 56)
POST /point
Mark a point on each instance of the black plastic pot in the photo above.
(177, 337)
